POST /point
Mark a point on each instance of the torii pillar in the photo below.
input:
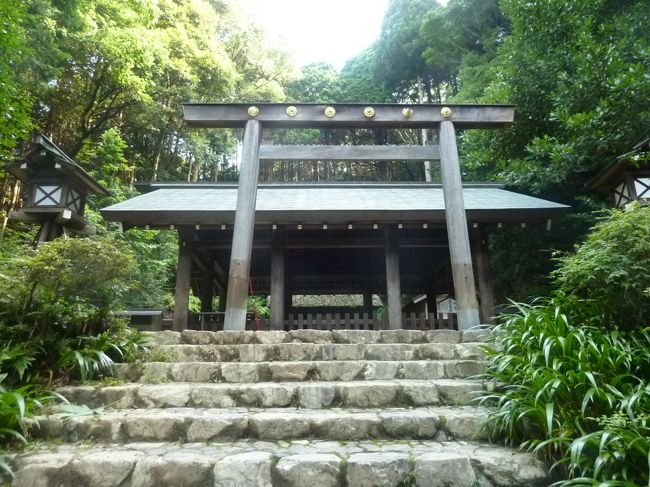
(242, 239)
(457, 233)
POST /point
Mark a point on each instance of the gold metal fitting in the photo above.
(368, 112)
(253, 111)
(407, 112)
(330, 112)
(292, 111)
(446, 112)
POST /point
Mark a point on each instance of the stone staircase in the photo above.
(301, 408)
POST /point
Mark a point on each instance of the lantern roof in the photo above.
(636, 159)
(44, 155)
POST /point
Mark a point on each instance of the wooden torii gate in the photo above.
(443, 118)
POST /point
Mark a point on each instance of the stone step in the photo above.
(302, 352)
(266, 464)
(208, 425)
(343, 370)
(312, 395)
(193, 337)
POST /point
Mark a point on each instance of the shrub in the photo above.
(65, 284)
(55, 309)
(576, 394)
(612, 267)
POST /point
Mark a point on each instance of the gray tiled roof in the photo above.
(318, 202)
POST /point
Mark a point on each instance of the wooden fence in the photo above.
(328, 321)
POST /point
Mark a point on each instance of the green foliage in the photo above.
(156, 255)
(577, 72)
(400, 65)
(15, 102)
(565, 383)
(318, 83)
(617, 454)
(66, 283)
(106, 162)
(258, 307)
(55, 320)
(18, 409)
(358, 83)
(612, 267)
(522, 259)
(573, 386)
(124, 66)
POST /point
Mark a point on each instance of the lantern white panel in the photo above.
(48, 195)
(642, 186)
(73, 201)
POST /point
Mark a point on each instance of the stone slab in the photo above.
(315, 395)
(246, 463)
(322, 350)
(198, 425)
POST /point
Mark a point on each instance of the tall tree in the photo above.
(463, 34)
(15, 102)
(578, 73)
(399, 64)
(358, 82)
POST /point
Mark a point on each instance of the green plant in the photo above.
(560, 377)
(257, 306)
(67, 284)
(616, 455)
(18, 410)
(55, 311)
(612, 267)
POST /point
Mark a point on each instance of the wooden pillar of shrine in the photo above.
(183, 275)
(483, 273)
(277, 279)
(207, 292)
(393, 289)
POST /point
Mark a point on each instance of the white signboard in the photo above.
(446, 306)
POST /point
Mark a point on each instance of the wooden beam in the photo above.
(242, 241)
(207, 265)
(183, 278)
(339, 242)
(393, 289)
(211, 115)
(277, 279)
(461, 257)
(349, 152)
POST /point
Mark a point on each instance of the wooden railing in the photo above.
(331, 321)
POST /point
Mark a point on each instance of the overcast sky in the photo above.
(320, 30)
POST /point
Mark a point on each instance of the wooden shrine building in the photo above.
(388, 239)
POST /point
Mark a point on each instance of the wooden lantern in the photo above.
(627, 179)
(55, 189)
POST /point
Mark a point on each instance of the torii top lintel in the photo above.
(346, 115)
